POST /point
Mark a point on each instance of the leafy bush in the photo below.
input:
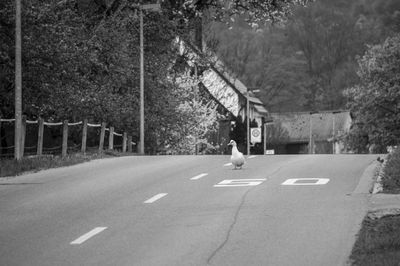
(391, 177)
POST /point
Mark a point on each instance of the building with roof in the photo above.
(305, 132)
(230, 93)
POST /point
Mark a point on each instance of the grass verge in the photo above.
(378, 242)
(12, 167)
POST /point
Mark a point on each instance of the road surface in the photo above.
(185, 210)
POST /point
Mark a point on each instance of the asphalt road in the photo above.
(185, 210)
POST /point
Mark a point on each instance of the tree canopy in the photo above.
(81, 60)
(375, 101)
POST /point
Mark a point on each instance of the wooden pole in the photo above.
(333, 133)
(84, 135)
(1, 150)
(65, 139)
(124, 140)
(40, 136)
(141, 143)
(102, 135)
(310, 144)
(111, 139)
(23, 135)
(129, 143)
(18, 82)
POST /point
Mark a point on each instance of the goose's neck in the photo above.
(234, 149)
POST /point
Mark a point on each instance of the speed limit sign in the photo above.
(255, 135)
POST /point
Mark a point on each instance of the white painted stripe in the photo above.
(306, 181)
(88, 235)
(240, 182)
(252, 156)
(198, 176)
(156, 197)
(228, 164)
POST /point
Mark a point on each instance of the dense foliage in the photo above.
(375, 102)
(81, 60)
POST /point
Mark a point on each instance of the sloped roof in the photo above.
(222, 85)
(261, 109)
(325, 124)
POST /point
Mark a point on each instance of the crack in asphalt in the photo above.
(230, 227)
(235, 218)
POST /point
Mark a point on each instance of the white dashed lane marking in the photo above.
(88, 235)
(156, 197)
(199, 176)
(228, 164)
(252, 156)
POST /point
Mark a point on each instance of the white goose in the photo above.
(237, 157)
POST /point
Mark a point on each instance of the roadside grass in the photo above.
(391, 176)
(12, 167)
(378, 242)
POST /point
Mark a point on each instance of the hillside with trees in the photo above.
(305, 62)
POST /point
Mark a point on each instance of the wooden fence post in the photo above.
(111, 139)
(23, 135)
(40, 136)
(1, 150)
(84, 135)
(124, 142)
(102, 135)
(129, 143)
(65, 139)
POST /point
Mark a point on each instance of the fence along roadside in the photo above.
(127, 140)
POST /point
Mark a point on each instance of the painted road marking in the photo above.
(156, 197)
(228, 164)
(305, 181)
(88, 235)
(198, 176)
(240, 182)
(252, 156)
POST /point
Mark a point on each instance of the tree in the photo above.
(327, 36)
(256, 12)
(374, 102)
(80, 60)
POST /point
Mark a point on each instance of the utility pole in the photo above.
(141, 142)
(18, 82)
(151, 7)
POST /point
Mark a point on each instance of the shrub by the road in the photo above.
(391, 176)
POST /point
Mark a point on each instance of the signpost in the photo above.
(268, 122)
(255, 135)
